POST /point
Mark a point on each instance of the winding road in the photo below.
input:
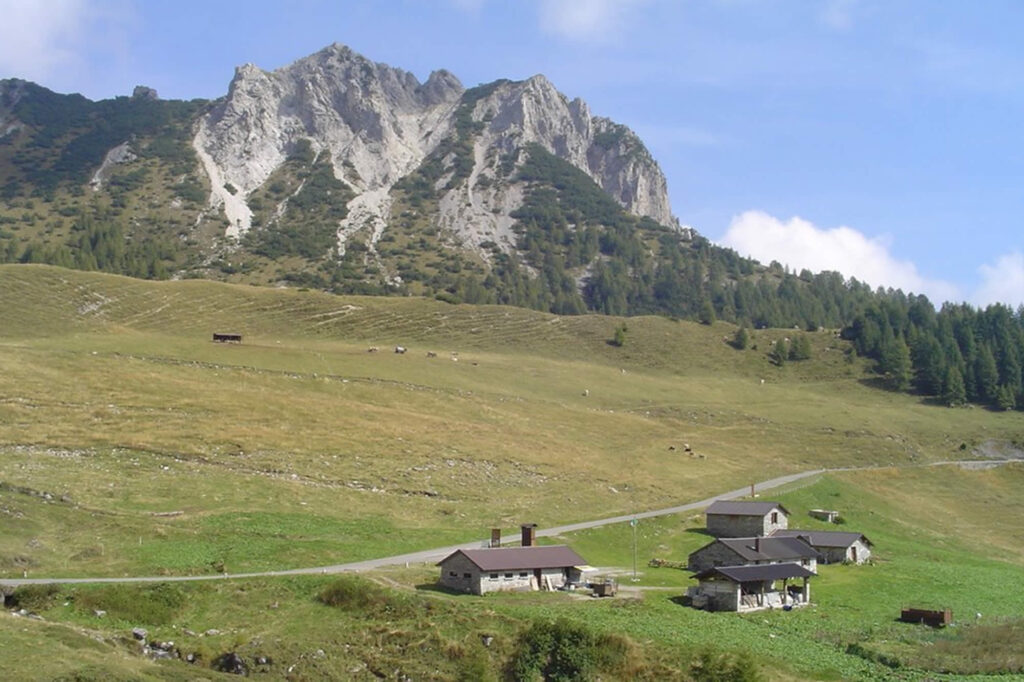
(434, 555)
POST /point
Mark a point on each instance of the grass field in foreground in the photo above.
(850, 632)
(130, 444)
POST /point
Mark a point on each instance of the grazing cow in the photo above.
(400, 349)
(586, 392)
(372, 349)
(431, 354)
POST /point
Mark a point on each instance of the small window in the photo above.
(453, 574)
(494, 576)
(523, 574)
(775, 517)
(467, 576)
(508, 575)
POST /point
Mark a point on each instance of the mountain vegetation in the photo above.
(573, 248)
(132, 445)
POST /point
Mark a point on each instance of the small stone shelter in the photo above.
(751, 588)
(754, 551)
(834, 546)
(503, 569)
(731, 519)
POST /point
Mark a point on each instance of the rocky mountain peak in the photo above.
(379, 123)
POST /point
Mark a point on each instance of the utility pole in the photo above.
(632, 523)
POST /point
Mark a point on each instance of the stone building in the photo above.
(834, 546)
(754, 551)
(729, 519)
(503, 569)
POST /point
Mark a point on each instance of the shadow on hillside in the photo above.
(877, 383)
(700, 531)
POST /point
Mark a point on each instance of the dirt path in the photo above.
(434, 555)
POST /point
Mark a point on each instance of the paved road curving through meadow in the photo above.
(434, 555)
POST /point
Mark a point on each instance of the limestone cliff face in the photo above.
(380, 124)
(512, 115)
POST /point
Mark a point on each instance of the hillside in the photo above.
(345, 175)
(130, 444)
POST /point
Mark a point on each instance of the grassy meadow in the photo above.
(132, 445)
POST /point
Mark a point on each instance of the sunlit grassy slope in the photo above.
(130, 444)
(164, 452)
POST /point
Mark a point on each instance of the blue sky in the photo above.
(880, 138)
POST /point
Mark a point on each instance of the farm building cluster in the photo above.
(755, 549)
(755, 562)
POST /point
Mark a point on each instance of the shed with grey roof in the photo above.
(834, 546)
(753, 551)
(732, 519)
(751, 588)
(479, 571)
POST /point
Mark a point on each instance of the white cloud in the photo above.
(38, 38)
(1002, 282)
(800, 244)
(585, 19)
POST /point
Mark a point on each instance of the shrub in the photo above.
(34, 597)
(564, 650)
(357, 594)
(156, 604)
(713, 666)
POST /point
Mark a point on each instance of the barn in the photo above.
(504, 569)
(730, 519)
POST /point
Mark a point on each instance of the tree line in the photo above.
(958, 354)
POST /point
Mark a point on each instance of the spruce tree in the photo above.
(953, 392)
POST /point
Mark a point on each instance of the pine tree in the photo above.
(953, 392)
(1006, 399)
(986, 374)
(895, 364)
(779, 352)
(800, 349)
(707, 313)
(741, 339)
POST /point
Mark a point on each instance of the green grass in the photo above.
(130, 444)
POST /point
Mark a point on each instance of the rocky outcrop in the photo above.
(380, 124)
(510, 116)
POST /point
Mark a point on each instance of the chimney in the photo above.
(529, 534)
(495, 537)
(757, 544)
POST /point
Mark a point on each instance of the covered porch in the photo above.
(752, 588)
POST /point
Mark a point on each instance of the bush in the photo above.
(713, 666)
(741, 339)
(156, 604)
(34, 597)
(564, 650)
(357, 594)
(619, 337)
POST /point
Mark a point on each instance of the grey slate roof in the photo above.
(824, 538)
(733, 508)
(773, 548)
(742, 574)
(520, 558)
